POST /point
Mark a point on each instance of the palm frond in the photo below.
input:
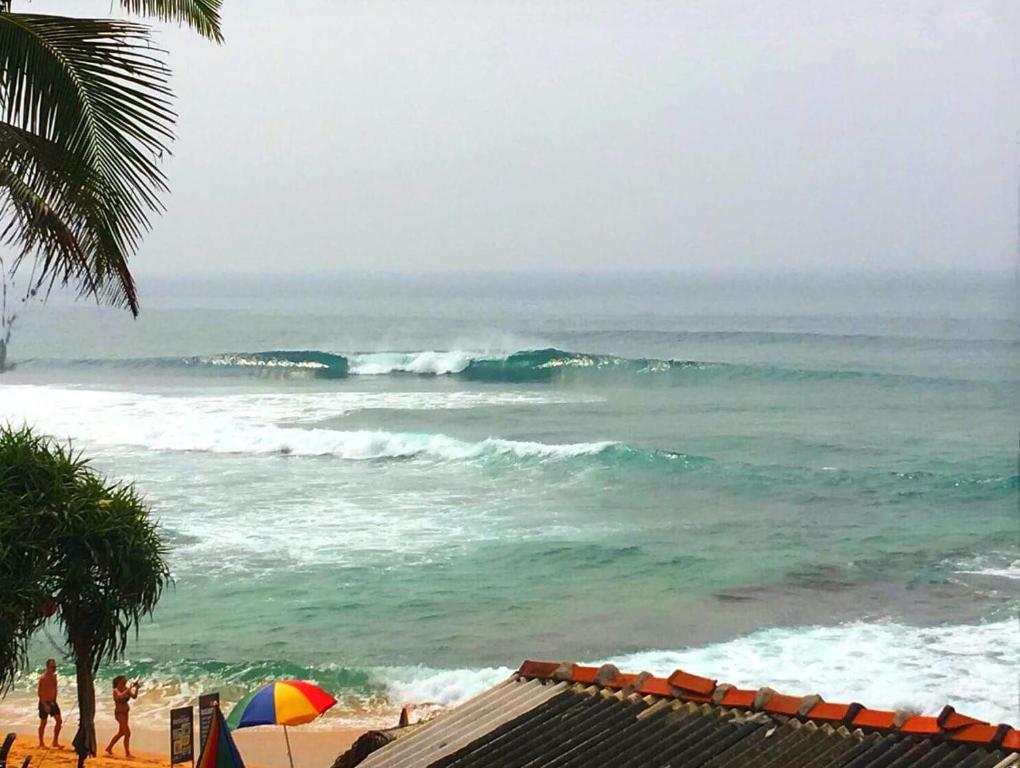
(43, 211)
(95, 92)
(52, 212)
(201, 15)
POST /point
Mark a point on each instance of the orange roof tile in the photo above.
(655, 686)
(621, 681)
(543, 670)
(585, 675)
(979, 734)
(690, 687)
(735, 697)
(781, 704)
(829, 712)
(874, 718)
(921, 725)
(960, 721)
(688, 682)
(950, 719)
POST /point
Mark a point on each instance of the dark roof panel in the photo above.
(684, 685)
(562, 715)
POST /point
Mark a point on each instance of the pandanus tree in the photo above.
(79, 549)
(85, 117)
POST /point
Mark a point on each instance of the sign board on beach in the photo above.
(182, 735)
(206, 704)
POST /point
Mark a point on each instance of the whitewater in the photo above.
(403, 499)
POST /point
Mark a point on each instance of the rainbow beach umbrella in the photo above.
(286, 702)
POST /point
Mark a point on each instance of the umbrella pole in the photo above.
(291, 759)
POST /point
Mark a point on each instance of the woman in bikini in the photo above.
(122, 694)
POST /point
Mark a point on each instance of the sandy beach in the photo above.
(262, 747)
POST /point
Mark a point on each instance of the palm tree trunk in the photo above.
(6, 321)
(85, 738)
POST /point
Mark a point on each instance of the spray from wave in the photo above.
(427, 363)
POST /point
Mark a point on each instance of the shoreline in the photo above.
(260, 747)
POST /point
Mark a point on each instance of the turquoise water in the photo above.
(402, 488)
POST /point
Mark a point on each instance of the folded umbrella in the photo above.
(285, 702)
(219, 750)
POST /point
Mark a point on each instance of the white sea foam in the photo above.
(238, 424)
(445, 687)
(357, 445)
(298, 520)
(1011, 572)
(883, 665)
(997, 564)
(427, 362)
(269, 407)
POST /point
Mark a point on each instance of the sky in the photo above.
(590, 135)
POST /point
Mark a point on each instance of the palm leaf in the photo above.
(96, 91)
(201, 15)
(34, 224)
(48, 212)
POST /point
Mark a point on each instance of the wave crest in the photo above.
(524, 366)
(427, 363)
(324, 365)
(550, 363)
(886, 664)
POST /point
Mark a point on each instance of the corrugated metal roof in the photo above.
(564, 715)
(948, 724)
(468, 722)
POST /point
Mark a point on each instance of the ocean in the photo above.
(403, 487)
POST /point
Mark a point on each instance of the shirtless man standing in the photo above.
(48, 703)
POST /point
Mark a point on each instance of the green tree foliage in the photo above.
(78, 547)
(85, 116)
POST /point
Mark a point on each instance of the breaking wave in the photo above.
(244, 425)
(427, 363)
(885, 665)
(547, 364)
(525, 366)
(322, 365)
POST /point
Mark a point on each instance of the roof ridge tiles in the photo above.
(606, 673)
(685, 681)
(639, 680)
(720, 692)
(705, 691)
(807, 703)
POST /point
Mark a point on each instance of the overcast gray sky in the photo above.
(591, 134)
